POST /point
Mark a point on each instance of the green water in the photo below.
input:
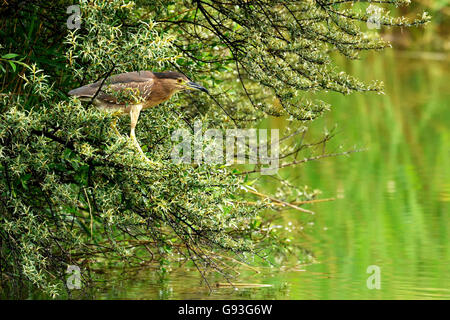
(393, 200)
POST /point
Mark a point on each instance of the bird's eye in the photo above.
(179, 80)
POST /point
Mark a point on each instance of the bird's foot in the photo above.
(141, 153)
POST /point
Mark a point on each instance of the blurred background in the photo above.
(392, 201)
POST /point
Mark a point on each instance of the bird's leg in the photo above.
(134, 116)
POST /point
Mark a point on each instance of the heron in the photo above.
(132, 92)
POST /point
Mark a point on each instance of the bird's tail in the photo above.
(85, 92)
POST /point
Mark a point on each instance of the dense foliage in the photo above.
(72, 191)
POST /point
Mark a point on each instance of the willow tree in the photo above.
(71, 190)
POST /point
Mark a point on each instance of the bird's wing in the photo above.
(119, 89)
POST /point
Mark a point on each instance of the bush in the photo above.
(73, 193)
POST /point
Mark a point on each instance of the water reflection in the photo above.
(392, 207)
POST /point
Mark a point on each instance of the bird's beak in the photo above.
(195, 86)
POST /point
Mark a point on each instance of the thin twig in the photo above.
(279, 201)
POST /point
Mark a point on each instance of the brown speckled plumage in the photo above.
(132, 92)
(148, 85)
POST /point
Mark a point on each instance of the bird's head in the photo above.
(179, 82)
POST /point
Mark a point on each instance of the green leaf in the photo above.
(13, 66)
(9, 55)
